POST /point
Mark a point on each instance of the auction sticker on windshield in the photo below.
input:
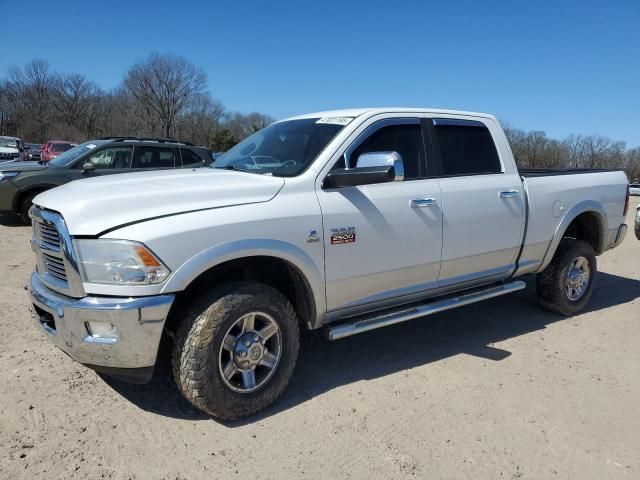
(335, 120)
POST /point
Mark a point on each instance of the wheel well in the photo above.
(23, 194)
(587, 227)
(275, 272)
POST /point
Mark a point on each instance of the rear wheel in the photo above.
(566, 285)
(235, 353)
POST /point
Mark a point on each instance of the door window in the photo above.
(110, 158)
(153, 157)
(189, 158)
(466, 147)
(404, 139)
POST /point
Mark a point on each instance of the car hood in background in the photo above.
(94, 205)
(18, 166)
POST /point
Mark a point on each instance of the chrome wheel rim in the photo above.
(250, 352)
(577, 280)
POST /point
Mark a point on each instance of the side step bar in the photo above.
(421, 310)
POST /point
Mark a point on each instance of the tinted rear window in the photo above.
(466, 147)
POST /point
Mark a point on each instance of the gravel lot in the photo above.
(501, 389)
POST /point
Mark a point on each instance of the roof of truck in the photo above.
(356, 112)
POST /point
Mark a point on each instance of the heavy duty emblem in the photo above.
(343, 235)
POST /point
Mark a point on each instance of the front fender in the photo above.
(570, 216)
(218, 254)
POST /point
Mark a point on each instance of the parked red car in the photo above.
(53, 148)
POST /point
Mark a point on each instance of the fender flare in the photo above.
(224, 252)
(578, 209)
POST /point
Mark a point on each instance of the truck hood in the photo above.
(91, 206)
(18, 166)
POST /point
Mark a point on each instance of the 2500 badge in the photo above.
(343, 235)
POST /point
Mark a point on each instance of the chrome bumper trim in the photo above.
(138, 321)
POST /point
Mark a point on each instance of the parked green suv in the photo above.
(20, 182)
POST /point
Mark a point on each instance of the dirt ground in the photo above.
(501, 389)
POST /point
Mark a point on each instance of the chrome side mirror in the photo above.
(383, 159)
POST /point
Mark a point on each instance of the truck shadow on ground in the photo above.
(324, 365)
(11, 220)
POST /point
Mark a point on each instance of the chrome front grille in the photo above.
(49, 234)
(54, 266)
(55, 258)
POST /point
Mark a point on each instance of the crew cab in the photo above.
(20, 182)
(347, 220)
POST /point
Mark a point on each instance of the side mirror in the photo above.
(374, 167)
(379, 159)
(88, 167)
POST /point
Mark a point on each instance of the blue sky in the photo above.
(559, 66)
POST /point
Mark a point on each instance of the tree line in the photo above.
(166, 95)
(533, 149)
(160, 96)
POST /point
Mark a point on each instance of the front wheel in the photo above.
(25, 206)
(566, 285)
(235, 352)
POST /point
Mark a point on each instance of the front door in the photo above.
(383, 241)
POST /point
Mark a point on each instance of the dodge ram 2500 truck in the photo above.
(349, 220)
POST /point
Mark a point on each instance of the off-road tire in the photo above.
(198, 340)
(25, 205)
(550, 284)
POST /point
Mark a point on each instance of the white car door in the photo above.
(482, 199)
(383, 241)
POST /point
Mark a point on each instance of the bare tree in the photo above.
(165, 85)
(73, 96)
(32, 88)
(201, 120)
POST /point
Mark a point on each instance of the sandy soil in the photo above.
(497, 390)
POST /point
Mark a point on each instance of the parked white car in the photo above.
(634, 189)
(11, 149)
(349, 220)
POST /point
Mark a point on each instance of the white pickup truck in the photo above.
(349, 220)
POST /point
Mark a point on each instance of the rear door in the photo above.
(151, 157)
(482, 201)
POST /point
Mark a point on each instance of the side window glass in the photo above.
(110, 158)
(189, 158)
(466, 147)
(404, 139)
(153, 157)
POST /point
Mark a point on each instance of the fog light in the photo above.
(101, 332)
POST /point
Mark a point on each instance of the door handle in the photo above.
(422, 202)
(509, 194)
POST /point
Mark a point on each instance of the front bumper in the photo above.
(129, 353)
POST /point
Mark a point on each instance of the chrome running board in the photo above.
(390, 317)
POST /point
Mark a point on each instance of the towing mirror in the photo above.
(88, 167)
(380, 159)
(374, 167)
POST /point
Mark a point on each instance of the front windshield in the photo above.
(8, 142)
(283, 149)
(70, 155)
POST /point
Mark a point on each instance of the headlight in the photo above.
(4, 176)
(119, 262)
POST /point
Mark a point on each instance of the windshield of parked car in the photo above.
(69, 156)
(283, 149)
(8, 142)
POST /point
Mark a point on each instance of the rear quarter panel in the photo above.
(554, 201)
